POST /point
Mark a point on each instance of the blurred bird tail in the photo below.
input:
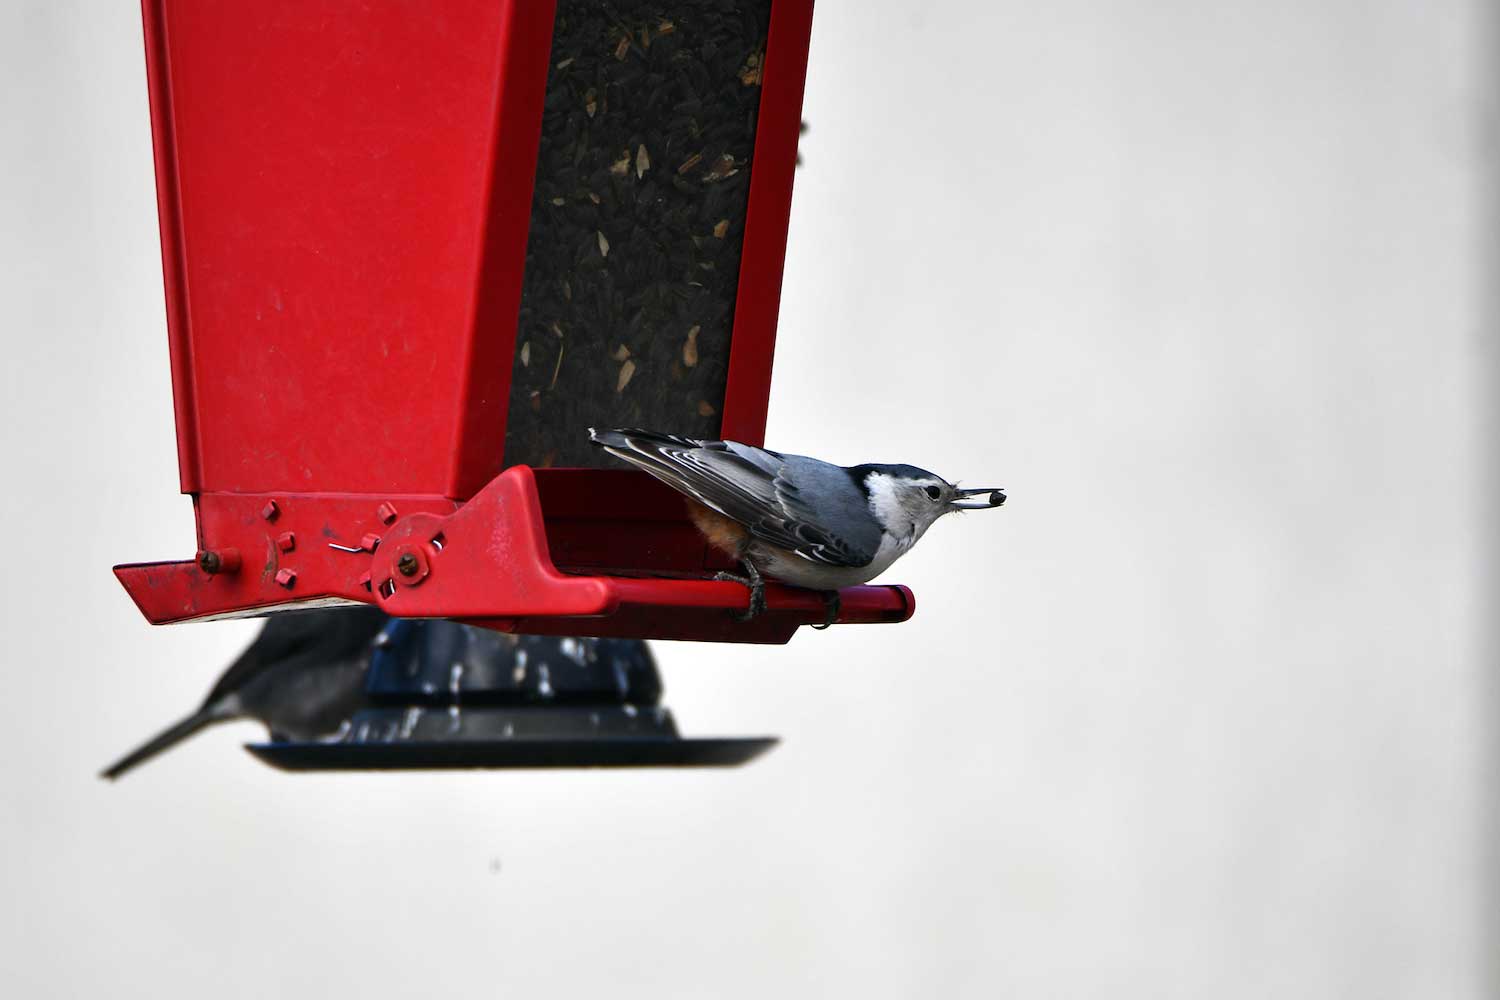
(165, 740)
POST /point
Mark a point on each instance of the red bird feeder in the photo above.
(413, 252)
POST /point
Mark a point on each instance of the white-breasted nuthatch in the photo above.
(795, 519)
(302, 676)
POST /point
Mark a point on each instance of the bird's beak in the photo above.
(992, 498)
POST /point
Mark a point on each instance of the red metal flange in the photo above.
(488, 562)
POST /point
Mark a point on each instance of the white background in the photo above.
(1203, 712)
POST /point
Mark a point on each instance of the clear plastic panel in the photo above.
(637, 221)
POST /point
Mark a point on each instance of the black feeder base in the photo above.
(444, 696)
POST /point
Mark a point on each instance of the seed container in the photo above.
(412, 252)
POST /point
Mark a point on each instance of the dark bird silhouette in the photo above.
(302, 677)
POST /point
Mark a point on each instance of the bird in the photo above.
(302, 677)
(794, 519)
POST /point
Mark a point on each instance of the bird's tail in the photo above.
(651, 451)
(632, 439)
(164, 740)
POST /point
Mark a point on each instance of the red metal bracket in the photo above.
(254, 569)
(487, 562)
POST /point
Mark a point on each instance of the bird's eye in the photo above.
(933, 493)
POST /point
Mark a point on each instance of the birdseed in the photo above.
(637, 223)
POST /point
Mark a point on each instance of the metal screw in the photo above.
(407, 565)
(286, 541)
(386, 512)
(369, 542)
(270, 510)
(213, 561)
(286, 577)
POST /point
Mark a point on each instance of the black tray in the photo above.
(526, 753)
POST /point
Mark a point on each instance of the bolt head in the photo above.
(286, 541)
(212, 561)
(407, 565)
(369, 542)
(386, 512)
(270, 510)
(286, 577)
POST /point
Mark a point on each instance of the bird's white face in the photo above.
(907, 505)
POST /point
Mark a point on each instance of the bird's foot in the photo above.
(755, 583)
(832, 606)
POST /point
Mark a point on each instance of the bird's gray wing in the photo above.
(809, 507)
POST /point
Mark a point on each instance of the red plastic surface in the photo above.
(768, 216)
(344, 190)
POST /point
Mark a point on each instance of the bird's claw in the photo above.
(832, 605)
(757, 603)
(757, 587)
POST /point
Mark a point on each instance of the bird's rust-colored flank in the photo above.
(725, 534)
